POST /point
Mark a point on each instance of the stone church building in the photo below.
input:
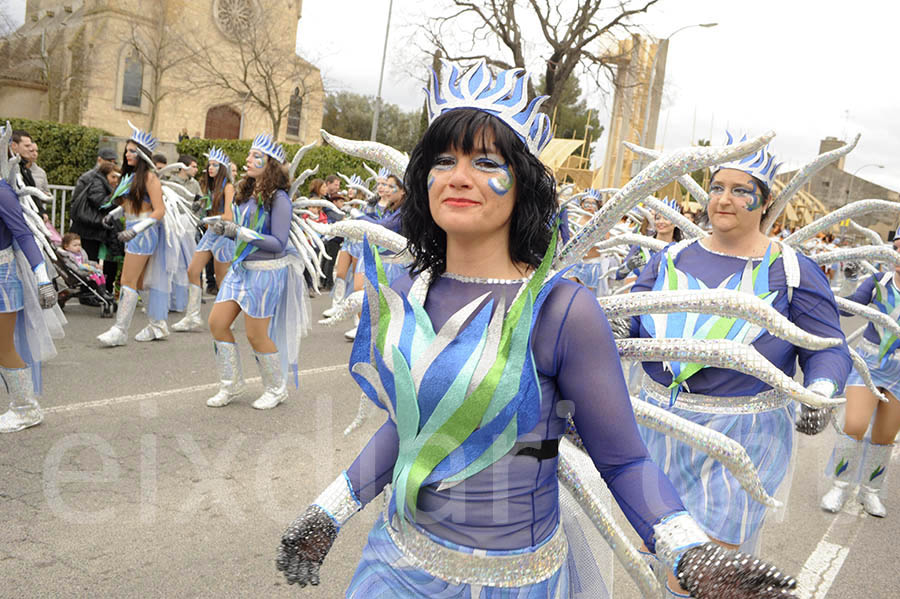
(76, 62)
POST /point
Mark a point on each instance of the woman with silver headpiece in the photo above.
(856, 458)
(140, 199)
(738, 256)
(264, 282)
(478, 359)
(218, 194)
(25, 291)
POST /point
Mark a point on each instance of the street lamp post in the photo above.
(853, 179)
(660, 65)
(381, 75)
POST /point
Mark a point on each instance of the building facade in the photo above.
(171, 66)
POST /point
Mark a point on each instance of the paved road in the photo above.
(132, 487)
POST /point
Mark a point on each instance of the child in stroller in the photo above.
(81, 278)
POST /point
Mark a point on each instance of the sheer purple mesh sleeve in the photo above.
(279, 225)
(374, 466)
(592, 388)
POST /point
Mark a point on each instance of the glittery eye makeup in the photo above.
(430, 180)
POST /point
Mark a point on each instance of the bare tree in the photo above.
(159, 42)
(257, 70)
(572, 34)
(7, 23)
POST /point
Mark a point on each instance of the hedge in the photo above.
(64, 151)
(330, 160)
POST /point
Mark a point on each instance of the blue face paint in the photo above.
(430, 180)
(749, 193)
(259, 162)
(753, 199)
(503, 182)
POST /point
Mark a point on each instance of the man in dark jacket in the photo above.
(92, 190)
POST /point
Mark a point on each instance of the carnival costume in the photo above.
(477, 377)
(863, 462)
(25, 288)
(266, 280)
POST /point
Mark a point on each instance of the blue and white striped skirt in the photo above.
(385, 573)
(887, 376)
(145, 242)
(12, 297)
(222, 248)
(710, 493)
(256, 290)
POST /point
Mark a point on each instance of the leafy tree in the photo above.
(350, 115)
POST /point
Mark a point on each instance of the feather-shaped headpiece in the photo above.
(268, 146)
(672, 203)
(760, 164)
(146, 143)
(505, 97)
(218, 155)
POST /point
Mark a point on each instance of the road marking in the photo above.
(110, 401)
(822, 567)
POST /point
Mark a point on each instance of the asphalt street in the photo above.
(132, 487)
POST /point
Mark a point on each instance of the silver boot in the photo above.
(231, 380)
(118, 333)
(362, 414)
(191, 320)
(274, 385)
(847, 451)
(156, 329)
(24, 410)
(874, 471)
(340, 290)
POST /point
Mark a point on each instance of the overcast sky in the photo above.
(805, 68)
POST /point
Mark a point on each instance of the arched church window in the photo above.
(133, 80)
(293, 119)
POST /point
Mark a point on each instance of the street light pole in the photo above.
(853, 179)
(381, 75)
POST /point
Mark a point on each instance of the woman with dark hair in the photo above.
(478, 394)
(218, 193)
(263, 281)
(141, 201)
(737, 255)
(855, 457)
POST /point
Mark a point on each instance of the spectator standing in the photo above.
(38, 174)
(185, 176)
(160, 161)
(20, 145)
(332, 244)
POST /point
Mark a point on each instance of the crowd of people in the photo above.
(518, 337)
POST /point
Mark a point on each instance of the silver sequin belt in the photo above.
(7, 255)
(267, 264)
(712, 404)
(458, 567)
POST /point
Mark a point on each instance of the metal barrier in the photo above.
(62, 194)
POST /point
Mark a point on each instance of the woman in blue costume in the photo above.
(265, 282)
(394, 194)
(737, 256)
(478, 395)
(855, 459)
(141, 197)
(24, 292)
(218, 193)
(590, 271)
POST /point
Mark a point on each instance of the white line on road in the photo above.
(99, 403)
(822, 567)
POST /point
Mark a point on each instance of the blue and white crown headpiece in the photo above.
(356, 180)
(505, 97)
(144, 138)
(383, 173)
(591, 194)
(672, 203)
(217, 154)
(268, 146)
(761, 164)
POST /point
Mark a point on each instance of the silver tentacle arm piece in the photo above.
(358, 230)
(803, 175)
(658, 173)
(876, 317)
(631, 239)
(697, 192)
(863, 370)
(721, 302)
(295, 161)
(849, 211)
(677, 218)
(351, 305)
(873, 237)
(872, 253)
(722, 353)
(720, 447)
(388, 157)
(572, 468)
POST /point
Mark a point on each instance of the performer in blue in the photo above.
(141, 201)
(218, 189)
(265, 282)
(25, 291)
(737, 256)
(855, 459)
(478, 360)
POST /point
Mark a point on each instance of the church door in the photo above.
(222, 122)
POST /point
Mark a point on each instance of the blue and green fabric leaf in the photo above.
(887, 301)
(253, 217)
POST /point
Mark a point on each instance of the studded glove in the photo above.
(47, 296)
(813, 421)
(709, 571)
(226, 228)
(304, 546)
(126, 235)
(109, 221)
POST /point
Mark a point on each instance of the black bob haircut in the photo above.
(467, 130)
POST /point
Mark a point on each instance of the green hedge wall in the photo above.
(330, 160)
(64, 151)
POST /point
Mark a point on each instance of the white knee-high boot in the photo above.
(274, 386)
(846, 455)
(874, 471)
(191, 320)
(338, 294)
(118, 333)
(231, 380)
(24, 410)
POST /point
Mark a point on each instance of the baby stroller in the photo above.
(72, 282)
